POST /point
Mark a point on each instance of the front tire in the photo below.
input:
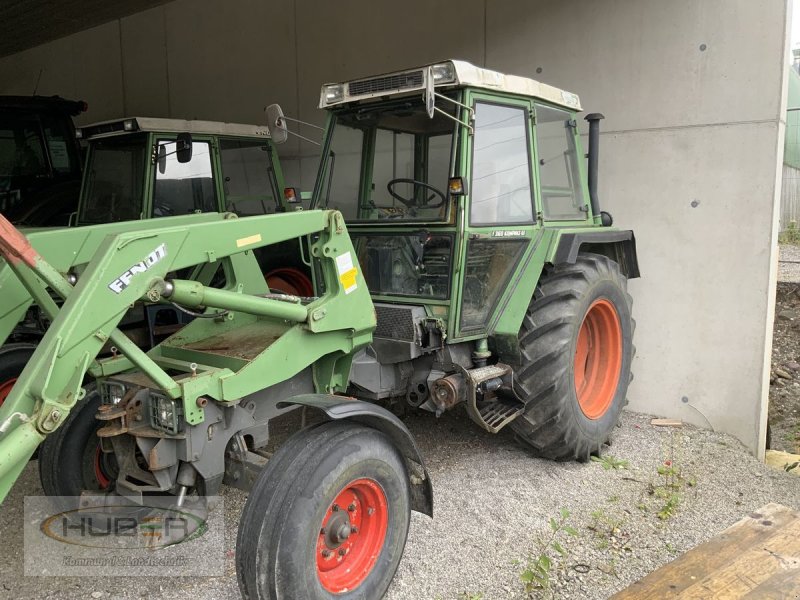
(71, 459)
(576, 348)
(327, 518)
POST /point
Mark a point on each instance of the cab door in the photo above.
(499, 217)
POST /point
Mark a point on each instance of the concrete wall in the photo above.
(693, 92)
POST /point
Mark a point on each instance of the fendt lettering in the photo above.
(124, 280)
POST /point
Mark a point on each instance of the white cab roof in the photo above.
(464, 74)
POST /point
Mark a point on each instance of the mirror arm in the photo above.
(284, 117)
(279, 125)
(471, 111)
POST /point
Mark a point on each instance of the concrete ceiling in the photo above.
(28, 23)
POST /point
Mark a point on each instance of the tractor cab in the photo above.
(142, 168)
(447, 176)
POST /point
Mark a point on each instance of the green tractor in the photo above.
(497, 281)
(146, 168)
(458, 256)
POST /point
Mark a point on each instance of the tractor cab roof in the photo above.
(154, 124)
(451, 74)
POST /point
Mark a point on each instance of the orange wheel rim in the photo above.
(598, 359)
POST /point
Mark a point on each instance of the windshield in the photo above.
(113, 187)
(404, 157)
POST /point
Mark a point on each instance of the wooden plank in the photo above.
(781, 586)
(666, 422)
(748, 555)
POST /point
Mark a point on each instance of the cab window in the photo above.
(501, 174)
(183, 188)
(559, 174)
(247, 177)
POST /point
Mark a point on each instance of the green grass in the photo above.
(791, 235)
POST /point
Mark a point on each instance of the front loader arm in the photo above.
(127, 267)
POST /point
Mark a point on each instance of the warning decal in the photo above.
(347, 272)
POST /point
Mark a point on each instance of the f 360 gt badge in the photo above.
(124, 280)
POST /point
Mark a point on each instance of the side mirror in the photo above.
(276, 124)
(184, 148)
(430, 98)
(162, 158)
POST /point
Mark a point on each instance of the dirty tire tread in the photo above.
(58, 451)
(553, 424)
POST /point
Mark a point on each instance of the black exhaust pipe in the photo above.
(594, 156)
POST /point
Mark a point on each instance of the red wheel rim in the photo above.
(351, 536)
(293, 278)
(5, 389)
(598, 359)
(99, 471)
(279, 284)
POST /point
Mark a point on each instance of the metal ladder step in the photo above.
(502, 407)
(501, 412)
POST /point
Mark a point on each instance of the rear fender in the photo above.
(340, 408)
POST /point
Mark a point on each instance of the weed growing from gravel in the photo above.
(670, 485)
(537, 574)
(791, 235)
(609, 462)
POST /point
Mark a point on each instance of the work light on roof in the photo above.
(333, 93)
(443, 72)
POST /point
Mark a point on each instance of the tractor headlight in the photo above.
(165, 414)
(333, 93)
(443, 72)
(111, 392)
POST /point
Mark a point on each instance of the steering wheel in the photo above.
(412, 202)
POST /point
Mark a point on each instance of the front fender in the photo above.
(341, 407)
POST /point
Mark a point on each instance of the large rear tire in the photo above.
(328, 517)
(576, 348)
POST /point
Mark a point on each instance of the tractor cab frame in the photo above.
(144, 167)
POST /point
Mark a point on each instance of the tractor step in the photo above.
(499, 405)
(501, 412)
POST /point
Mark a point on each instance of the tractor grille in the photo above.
(401, 81)
(395, 322)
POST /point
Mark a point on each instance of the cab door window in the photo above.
(559, 172)
(501, 174)
(183, 188)
(247, 177)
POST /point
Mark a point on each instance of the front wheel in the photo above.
(71, 459)
(327, 518)
(576, 348)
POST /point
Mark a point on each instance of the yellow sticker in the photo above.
(348, 279)
(253, 239)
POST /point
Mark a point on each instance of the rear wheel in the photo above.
(576, 348)
(71, 459)
(13, 358)
(328, 517)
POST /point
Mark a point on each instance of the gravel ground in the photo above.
(493, 501)
(789, 263)
(784, 392)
